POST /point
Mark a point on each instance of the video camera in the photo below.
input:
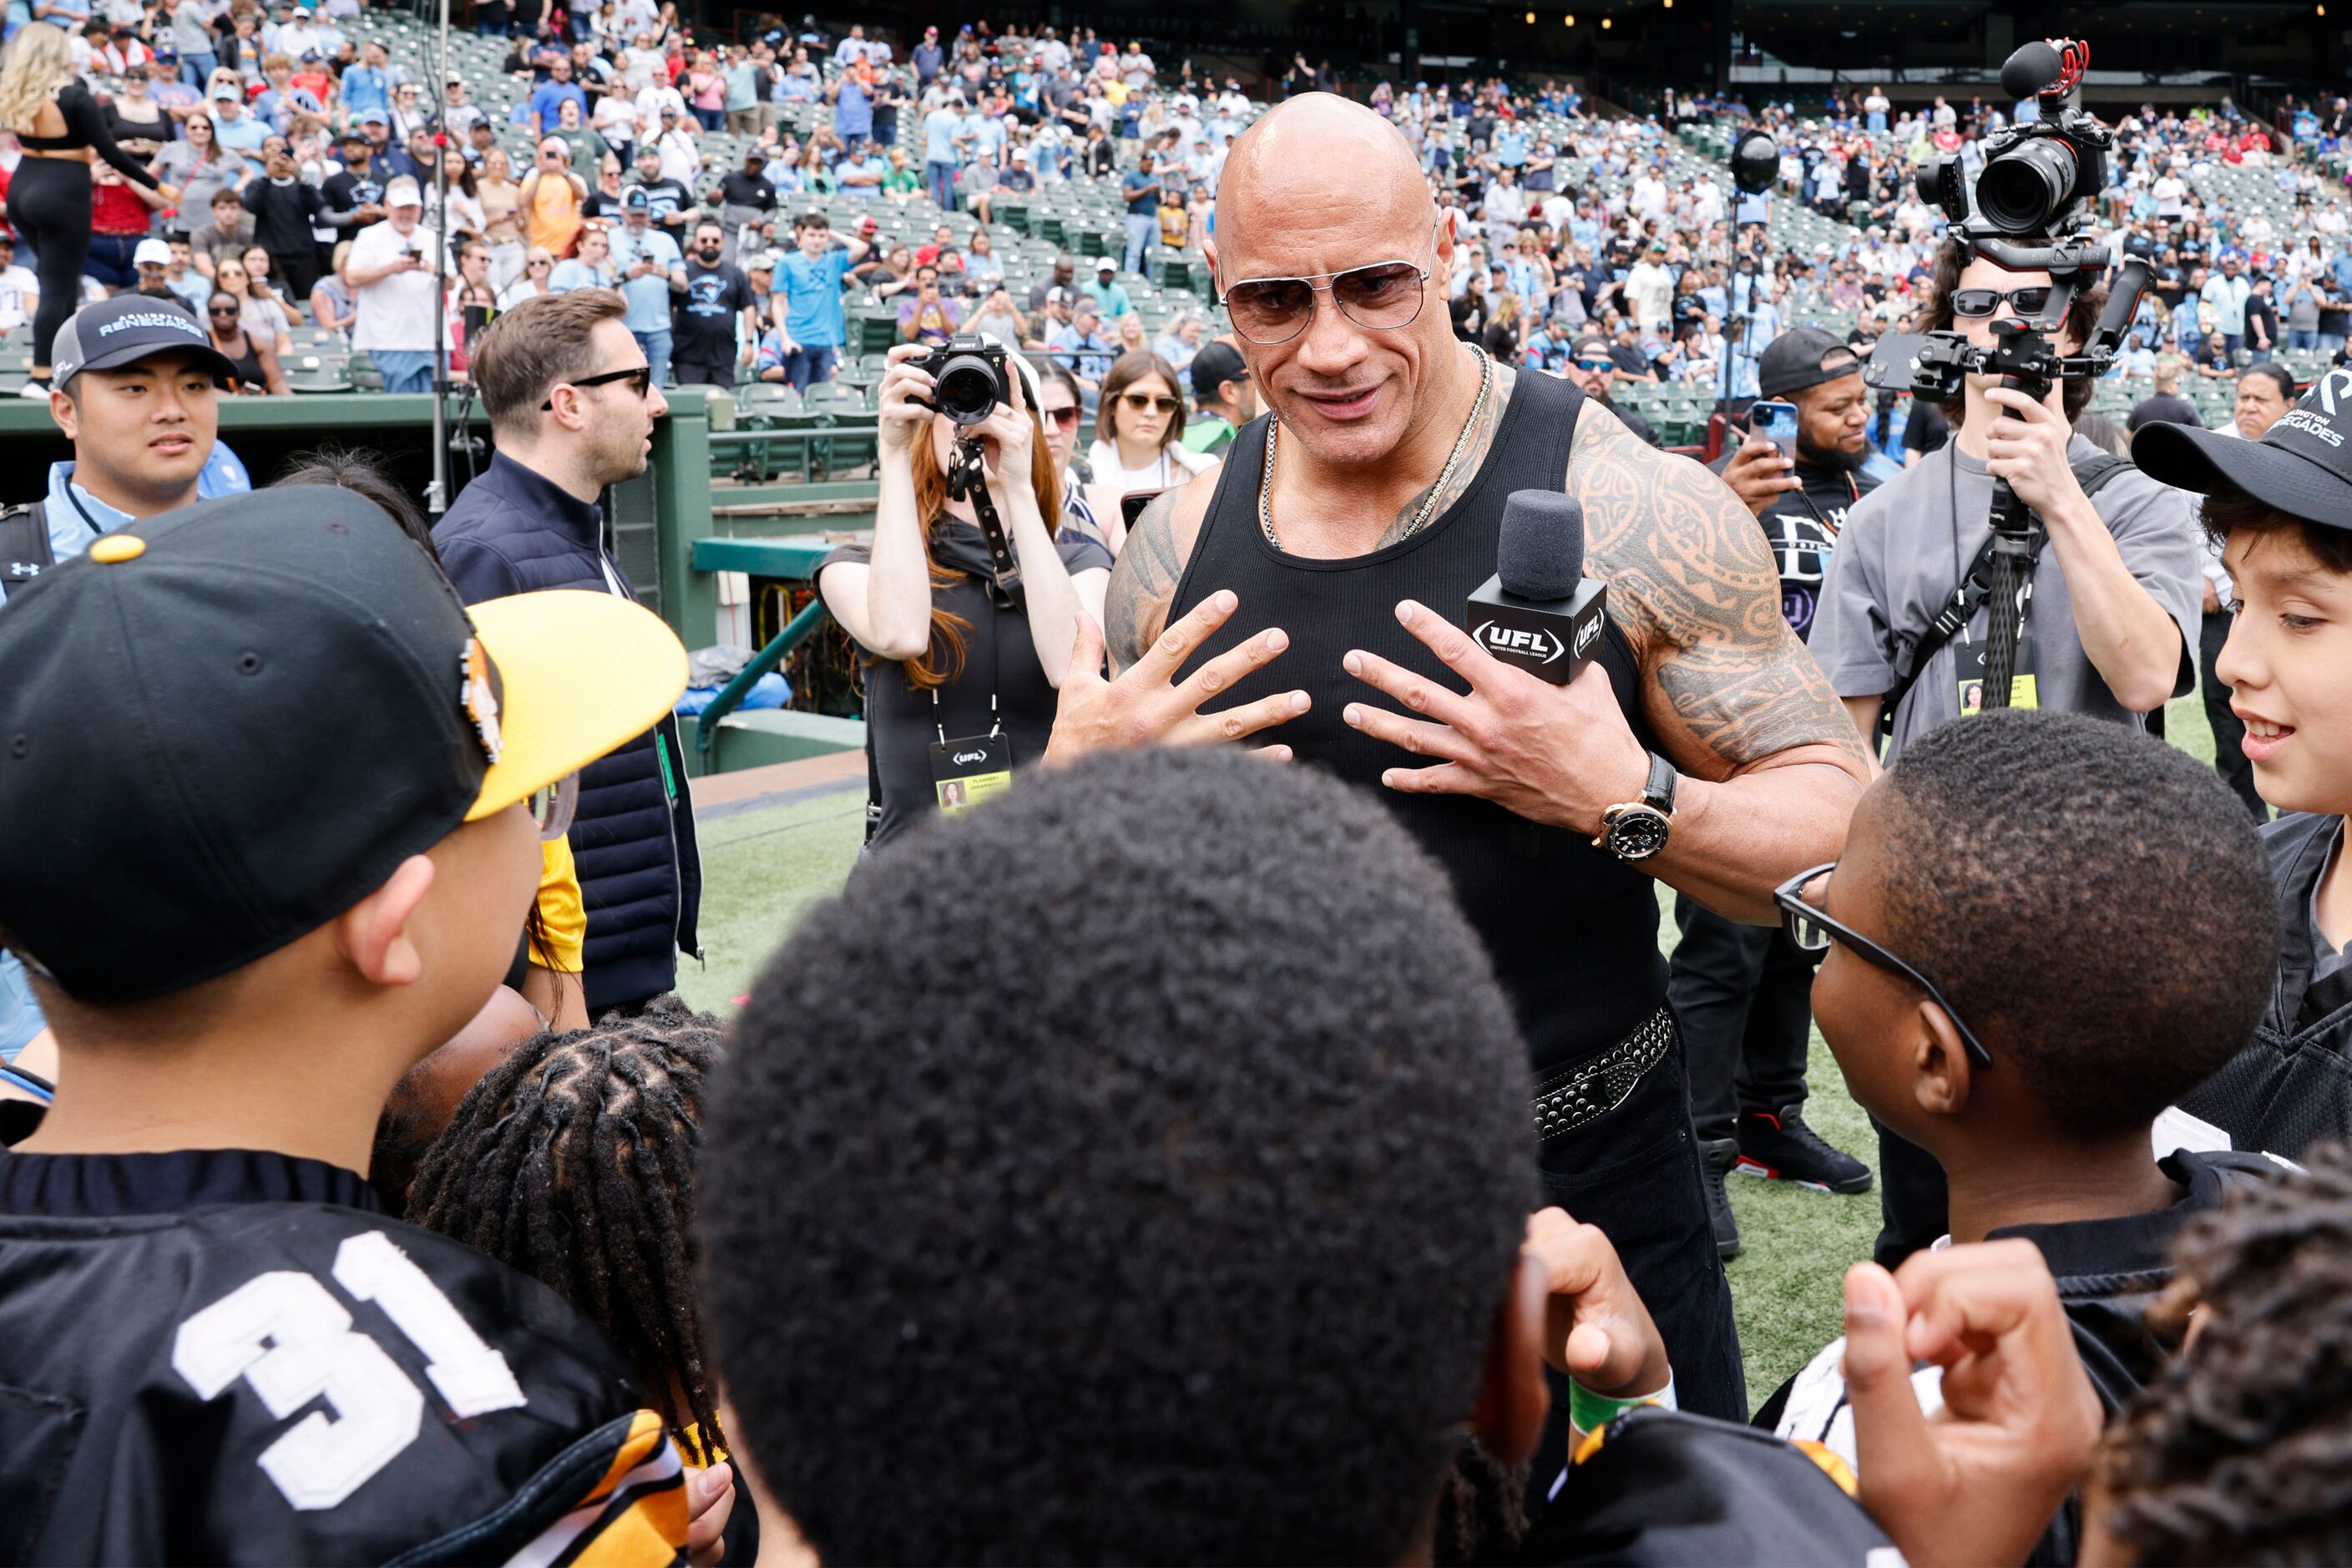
(2033, 202)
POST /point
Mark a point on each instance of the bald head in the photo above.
(1321, 151)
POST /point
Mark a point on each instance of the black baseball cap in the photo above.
(1215, 364)
(2302, 466)
(127, 329)
(1802, 357)
(224, 726)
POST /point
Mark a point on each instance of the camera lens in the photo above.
(967, 388)
(2024, 190)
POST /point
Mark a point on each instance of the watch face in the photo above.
(1638, 833)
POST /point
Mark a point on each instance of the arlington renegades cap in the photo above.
(225, 726)
(127, 329)
(2302, 466)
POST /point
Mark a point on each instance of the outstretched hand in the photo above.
(1148, 705)
(1979, 1482)
(1555, 754)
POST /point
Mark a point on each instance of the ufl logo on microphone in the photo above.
(1520, 644)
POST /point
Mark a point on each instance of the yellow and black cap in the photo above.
(226, 725)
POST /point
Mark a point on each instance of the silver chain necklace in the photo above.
(1436, 491)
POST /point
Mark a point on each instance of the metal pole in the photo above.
(437, 494)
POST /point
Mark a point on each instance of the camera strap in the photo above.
(2092, 473)
(968, 481)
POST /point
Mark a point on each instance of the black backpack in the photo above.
(25, 551)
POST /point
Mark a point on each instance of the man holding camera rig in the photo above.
(2111, 623)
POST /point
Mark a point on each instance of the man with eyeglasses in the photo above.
(572, 401)
(1592, 366)
(2111, 624)
(1341, 538)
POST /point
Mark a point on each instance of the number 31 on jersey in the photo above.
(292, 1342)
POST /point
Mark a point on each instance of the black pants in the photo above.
(1635, 1173)
(300, 271)
(48, 203)
(719, 375)
(2229, 735)
(1913, 1200)
(1744, 997)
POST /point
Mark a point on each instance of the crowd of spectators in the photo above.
(305, 160)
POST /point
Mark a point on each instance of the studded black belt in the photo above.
(1572, 1095)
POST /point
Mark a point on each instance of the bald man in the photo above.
(1703, 748)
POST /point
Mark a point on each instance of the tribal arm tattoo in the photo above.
(1143, 581)
(1693, 585)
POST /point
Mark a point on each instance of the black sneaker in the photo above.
(1716, 1157)
(1783, 1149)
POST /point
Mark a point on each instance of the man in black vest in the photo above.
(1743, 993)
(1703, 748)
(572, 407)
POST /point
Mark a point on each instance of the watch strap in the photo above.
(1660, 791)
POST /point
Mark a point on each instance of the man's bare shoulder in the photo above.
(1151, 564)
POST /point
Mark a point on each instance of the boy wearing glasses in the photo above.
(2007, 982)
(2111, 624)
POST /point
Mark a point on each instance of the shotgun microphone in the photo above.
(1538, 611)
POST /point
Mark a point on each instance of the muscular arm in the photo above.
(1771, 762)
(1151, 564)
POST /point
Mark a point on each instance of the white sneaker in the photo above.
(39, 389)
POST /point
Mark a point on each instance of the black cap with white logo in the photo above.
(2302, 466)
(127, 329)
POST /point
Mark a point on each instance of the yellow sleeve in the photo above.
(560, 909)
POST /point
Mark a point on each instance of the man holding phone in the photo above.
(1744, 993)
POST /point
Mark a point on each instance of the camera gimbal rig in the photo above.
(2038, 180)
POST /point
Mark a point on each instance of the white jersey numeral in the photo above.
(292, 1342)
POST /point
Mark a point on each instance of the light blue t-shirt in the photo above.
(245, 134)
(742, 85)
(648, 296)
(812, 290)
(364, 87)
(940, 128)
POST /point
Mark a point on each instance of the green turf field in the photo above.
(761, 869)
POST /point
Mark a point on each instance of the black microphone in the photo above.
(1538, 611)
(2033, 67)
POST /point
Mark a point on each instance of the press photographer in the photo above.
(2111, 559)
(967, 602)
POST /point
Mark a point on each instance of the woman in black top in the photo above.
(258, 369)
(59, 126)
(961, 676)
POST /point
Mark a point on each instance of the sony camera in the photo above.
(968, 377)
(2039, 179)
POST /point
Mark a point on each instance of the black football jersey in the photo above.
(303, 1383)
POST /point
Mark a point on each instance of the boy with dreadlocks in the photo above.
(572, 1160)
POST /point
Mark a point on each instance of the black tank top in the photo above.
(1573, 931)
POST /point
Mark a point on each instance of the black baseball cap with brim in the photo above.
(2302, 466)
(224, 726)
(1802, 357)
(127, 329)
(1214, 365)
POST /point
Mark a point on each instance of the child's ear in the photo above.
(1944, 1074)
(1513, 1396)
(372, 934)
